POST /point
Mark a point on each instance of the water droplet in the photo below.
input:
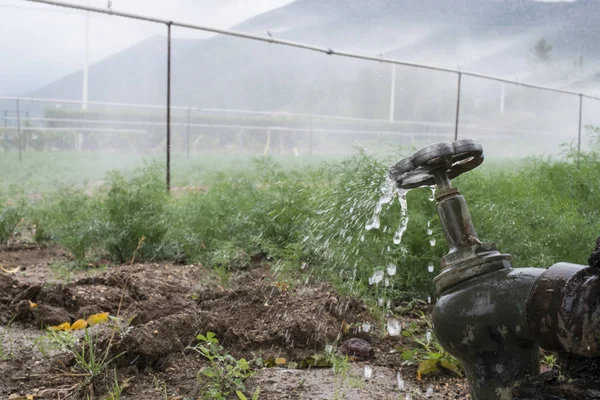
(380, 302)
(429, 231)
(430, 267)
(401, 385)
(428, 299)
(432, 241)
(387, 282)
(376, 278)
(429, 392)
(393, 327)
(432, 197)
(362, 238)
(391, 269)
(403, 216)
(328, 348)
(388, 195)
(388, 304)
(368, 372)
(428, 336)
(366, 327)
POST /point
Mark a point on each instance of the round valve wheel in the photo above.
(454, 158)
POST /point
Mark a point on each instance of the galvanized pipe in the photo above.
(325, 50)
(580, 122)
(168, 106)
(19, 127)
(187, 141)
(457, 106)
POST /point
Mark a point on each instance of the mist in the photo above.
(239, 97)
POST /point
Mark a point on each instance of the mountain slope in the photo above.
(490, 36)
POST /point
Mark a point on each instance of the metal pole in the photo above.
(169, 106)
(502, 98)
(280, 142)
(310, 138)
(19, 127)
(84, 94)
(187, 145)
(457, 106)
(393, 94)
(580, 122)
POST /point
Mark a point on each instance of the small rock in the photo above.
(51, 316)
(86, 311)
(359, 348)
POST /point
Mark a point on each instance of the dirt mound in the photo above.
(167, 306)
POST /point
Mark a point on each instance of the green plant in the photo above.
(10, 215)
(90, 361)
(427, 351)
(224, 275)
(225, 374)
(133, 209)
(550, 360)
(6, 334)
(117, 388)
(70, 218)
(242, 396)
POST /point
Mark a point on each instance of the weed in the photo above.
(224, 275)
(428, 352)
(226, 374)
(550, 360)
(10, 215)
(117, 388)
(90, 362)
(6, 334)
(70, 218)
(133, 209)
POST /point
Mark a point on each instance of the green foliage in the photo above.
(550, 360)
(541, 211)
(10, 215)
(427, 351)
(225, 374)
(135, 208)
(71, 218)
(90, 361)
(6, 334)
(116, 391)
(545, 212)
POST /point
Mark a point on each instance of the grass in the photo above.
(540, 210)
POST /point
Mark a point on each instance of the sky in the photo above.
(39, 43)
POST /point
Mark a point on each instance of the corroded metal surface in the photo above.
(454, 158)
(483, 323)
(490, 316)
(564, 310)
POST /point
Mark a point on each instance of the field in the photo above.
(270, 255)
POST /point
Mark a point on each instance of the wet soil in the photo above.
(159, 308)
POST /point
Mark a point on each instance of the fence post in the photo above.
(280, 142)
(393, 94)
(187, 144)
(310, 137)
(458, 106)
(580, 121)
(19, 128)
(169, 107)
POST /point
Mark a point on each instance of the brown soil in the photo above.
(162, 307)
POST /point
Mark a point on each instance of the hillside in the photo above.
(492, 36)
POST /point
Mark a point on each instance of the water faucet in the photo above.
(490, 316)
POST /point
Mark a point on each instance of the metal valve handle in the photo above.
(451, 158)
